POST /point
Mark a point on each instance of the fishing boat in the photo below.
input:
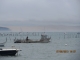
(11, 52)
(44, 39)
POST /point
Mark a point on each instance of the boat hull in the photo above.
(1, 45)
(8, 52)
(32, 41)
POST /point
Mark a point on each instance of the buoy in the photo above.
(65, 44)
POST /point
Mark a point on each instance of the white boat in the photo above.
(2, 44)
(11, 52)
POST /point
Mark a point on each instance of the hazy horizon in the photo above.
(44, 28)
(40, 13)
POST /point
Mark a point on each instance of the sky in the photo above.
(39, 12)
(54, 14)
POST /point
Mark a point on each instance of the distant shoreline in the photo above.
(47, 28)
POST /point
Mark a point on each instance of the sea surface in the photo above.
(69, 41)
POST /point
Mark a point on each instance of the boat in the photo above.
(10, 52)
(2, 44)
(44, 39)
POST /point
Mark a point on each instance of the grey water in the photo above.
(43, 51)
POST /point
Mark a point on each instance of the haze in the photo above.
(34, 15)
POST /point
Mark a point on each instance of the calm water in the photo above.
(43, 51)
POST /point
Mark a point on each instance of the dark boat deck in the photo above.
(10, 52)
(6, 52)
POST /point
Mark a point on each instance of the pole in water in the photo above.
(6, 38)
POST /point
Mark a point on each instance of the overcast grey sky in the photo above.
(39, 12)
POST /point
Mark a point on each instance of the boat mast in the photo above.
(21, 32)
